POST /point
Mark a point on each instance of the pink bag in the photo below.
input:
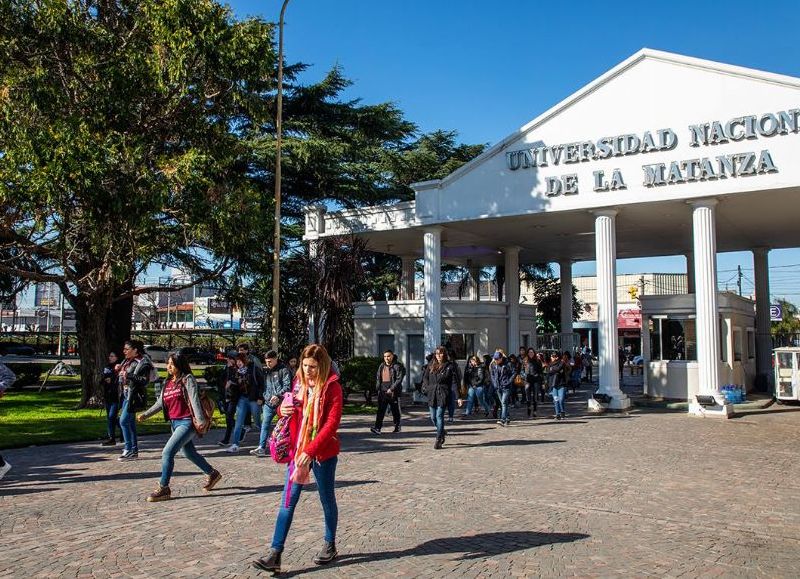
(281, 446)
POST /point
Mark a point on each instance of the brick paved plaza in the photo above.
(647, 493)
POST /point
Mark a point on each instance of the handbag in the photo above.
(519, 381)
(200, 426)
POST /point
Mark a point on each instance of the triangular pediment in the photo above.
(649, 97)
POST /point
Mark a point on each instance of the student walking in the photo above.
(474, 380)
(7, 378)
(179, 401)
(502, 375)
(111, 399)
(316, 422)
(439, 382)
(558, 372)
(134, 376)
(277, 382)
(389, 384)
(533, 380)
(251, 396)
(228, 389)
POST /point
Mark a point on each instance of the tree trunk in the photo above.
(119, 323)
(93, 346)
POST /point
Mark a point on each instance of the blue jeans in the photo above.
(127, 423)
(325, 475)
(558, 399)
(244, 408)
(181, 439)
(437, 418)
(475, 396)
(267, 413)
(112, 411)
(505, 398)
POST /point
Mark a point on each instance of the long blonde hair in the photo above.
(320, 355)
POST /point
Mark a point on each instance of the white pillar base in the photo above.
(618, 403)
(723, 409)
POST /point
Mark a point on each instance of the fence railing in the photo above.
(558, 341)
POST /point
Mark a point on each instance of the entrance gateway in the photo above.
(662, 155)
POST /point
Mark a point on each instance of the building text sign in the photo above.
(701, 168)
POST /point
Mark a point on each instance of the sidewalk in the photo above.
(631, 494)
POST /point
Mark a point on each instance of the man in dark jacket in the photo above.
(389, 383)
(277, 382)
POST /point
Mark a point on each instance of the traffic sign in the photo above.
(776, 312)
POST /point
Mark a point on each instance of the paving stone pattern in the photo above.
(638, 494)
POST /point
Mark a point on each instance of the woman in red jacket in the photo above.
(318, 392)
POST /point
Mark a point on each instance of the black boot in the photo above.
(326, 554)
(438, 444)
(272, 562)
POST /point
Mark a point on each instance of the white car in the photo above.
(156, 353)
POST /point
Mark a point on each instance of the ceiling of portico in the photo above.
(744, 221)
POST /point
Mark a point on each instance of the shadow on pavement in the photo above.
(222, 491)
(504, 443)
(488, 545)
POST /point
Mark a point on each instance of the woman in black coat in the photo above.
(439, 381)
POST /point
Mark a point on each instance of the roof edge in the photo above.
(623, 66)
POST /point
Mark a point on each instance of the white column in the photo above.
(690, 273)
(408, 274)
(606, 257)
(313, 251)
(706, 306)
(433, 288)
(645, 352)
(763, 338)
(475, 282)
(511, 255)
(566, 296)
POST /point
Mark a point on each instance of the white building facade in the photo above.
(662, 155)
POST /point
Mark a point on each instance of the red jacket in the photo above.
(326, 444)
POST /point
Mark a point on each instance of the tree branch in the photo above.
(153, 288)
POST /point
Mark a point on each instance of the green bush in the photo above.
(358, 374)
(27, 374)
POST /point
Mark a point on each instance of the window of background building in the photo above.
(737, 345)
(673, 339)
(654, 326)
(462, 345)
(751, 344)
(385, 342)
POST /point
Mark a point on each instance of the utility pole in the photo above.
(641, 285)
(739, 280)
(276, 250)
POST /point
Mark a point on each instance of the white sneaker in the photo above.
(233, 448)
(4, 469)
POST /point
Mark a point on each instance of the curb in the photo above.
(758, 404)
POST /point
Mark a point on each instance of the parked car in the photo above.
(195, 355)
(17, 350)
(156, 353)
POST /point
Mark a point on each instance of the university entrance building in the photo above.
(663, 155)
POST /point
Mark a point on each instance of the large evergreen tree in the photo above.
(122, 144)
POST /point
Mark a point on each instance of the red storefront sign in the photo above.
(629, 319)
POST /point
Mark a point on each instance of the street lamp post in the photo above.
(276, 250)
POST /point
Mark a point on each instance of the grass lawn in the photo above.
(30, 418)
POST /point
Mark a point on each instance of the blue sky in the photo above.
(485, 68)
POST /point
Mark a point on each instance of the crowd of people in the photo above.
(496, 383)
(305, 395)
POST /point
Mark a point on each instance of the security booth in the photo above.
(787, 373)
(669, 344)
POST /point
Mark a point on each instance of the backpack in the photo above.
(280, 441)
(281, 448)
